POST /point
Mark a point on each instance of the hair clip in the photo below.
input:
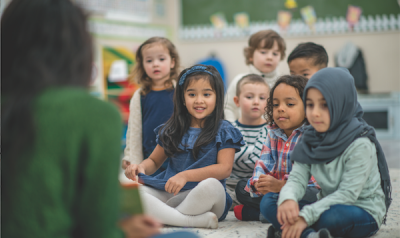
(194, 69)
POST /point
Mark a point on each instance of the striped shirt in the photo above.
(244, 162)
(275, 157)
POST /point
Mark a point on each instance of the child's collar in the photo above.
(254, 70)
(280, 133)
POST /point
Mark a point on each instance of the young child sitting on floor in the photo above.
(201, 147)
(285, 116)
(251, 97)
(341, 150)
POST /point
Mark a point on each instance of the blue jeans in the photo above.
(340, 220)
(177, 234)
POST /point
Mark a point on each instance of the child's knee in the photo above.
(211, 184)
(268, 203)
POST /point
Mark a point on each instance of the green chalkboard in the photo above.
(198, 12)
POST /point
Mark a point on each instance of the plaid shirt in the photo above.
(275, 157)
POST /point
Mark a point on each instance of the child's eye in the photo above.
(309, 105)
(275, 54)
(191, 94)
(290, 104)
(162, 59)
(324, 105)
(275, 105)
(305, 75)
(249, 97)
(207, 94)
(148, 61)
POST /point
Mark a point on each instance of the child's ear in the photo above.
(172, 63)
(236, 101)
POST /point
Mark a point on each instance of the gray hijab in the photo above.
(346, 125)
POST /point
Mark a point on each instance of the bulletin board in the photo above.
(195, 12)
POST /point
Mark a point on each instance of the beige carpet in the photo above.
(232, 228)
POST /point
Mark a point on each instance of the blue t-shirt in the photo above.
(227, 137)
(157, 108)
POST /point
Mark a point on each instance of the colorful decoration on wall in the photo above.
(284, 18)
(353, 15)
(218, 20)
(309, 16)
(290, 4)
(117, 64)
(242, 19)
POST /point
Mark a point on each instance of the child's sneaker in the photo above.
(323, 233)
(246, 213)
(263, 219)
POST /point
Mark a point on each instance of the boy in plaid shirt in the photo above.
(285, 116)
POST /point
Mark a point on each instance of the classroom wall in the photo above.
(381, 53)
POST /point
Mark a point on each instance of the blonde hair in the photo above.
(264, 40)
(249, 78)
(139, 75)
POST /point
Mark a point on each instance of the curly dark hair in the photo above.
(296, 81)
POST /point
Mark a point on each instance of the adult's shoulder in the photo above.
(76, 105)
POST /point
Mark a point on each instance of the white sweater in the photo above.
(134, 148)
(231, 111)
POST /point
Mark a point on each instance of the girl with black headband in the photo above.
(341, 151)
(201, 147)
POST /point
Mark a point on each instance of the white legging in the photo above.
(198, 207)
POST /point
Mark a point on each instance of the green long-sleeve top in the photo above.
(351, 179)
(67, 184)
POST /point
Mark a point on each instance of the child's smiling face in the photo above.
(200, 100)
(317, 111)
(288, 108)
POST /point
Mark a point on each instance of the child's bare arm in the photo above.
(149, 165)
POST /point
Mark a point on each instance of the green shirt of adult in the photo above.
(66, 184)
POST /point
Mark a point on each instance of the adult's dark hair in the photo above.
(172, 132)
(310, 50)
(44, 43)
(296, 81)
(139, 74)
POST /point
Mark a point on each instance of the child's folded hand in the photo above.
(125, 164)
(268, 183)
(288, 212)
(175, 183)
(133, 170)
(295, 230)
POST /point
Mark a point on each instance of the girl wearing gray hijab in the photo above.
(341, 151)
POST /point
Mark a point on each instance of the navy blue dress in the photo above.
(227, 137)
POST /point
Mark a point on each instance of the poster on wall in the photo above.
(309, 16)
(117, 65)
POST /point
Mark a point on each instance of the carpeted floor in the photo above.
(233, 228)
